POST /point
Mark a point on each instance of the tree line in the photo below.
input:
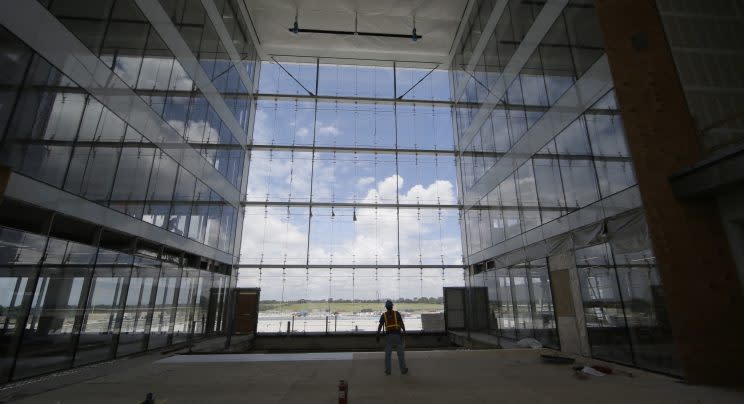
(428, 300)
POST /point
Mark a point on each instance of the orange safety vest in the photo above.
(391, 321)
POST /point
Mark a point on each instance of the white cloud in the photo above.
(323, 129)
(364, 181)
(198, 131)
(261, 130)
(377, 235)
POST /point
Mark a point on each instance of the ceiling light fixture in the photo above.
(295, 29)
(414, 37)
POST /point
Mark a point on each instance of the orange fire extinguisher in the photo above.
(343, 392)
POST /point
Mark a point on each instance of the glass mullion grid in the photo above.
(393, 268)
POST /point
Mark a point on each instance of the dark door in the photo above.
(246, 310)
(454, 308)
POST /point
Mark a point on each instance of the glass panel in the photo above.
(542, 304)
(183, 326)
(201, 307)
(138, 309)
(549, 188)
(165, 307)
(129, 190)
(275, 235)
(16, 290)
(522, 302)
(580, 182)
(646, 312)
(421, 126)
(360, 124)
(287, 78)
(103, 315)
(506, 311)
(283, 122)
(354, 80)
(49, 337)
(357, 177)
(421, 84)
(603, 307)
(280, 175)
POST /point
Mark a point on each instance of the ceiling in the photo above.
(437, 22)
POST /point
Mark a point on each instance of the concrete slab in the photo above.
(293, 357)
(461, 376)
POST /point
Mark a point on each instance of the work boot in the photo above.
(387, 372)
(404, 371)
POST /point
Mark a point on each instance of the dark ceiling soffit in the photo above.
(710, 176)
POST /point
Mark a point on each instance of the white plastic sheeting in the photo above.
(627, 232)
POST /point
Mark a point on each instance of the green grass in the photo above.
(322, 307)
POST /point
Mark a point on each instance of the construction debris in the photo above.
(529, 343)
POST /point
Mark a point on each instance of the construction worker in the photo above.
(395, 332)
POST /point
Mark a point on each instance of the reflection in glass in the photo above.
(165, 307)
(184, 327)
(138, 308)
(48, 340)
(103, 315)
(542, 304)
(603, 307)
(646, 312)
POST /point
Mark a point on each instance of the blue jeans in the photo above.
(395, 340)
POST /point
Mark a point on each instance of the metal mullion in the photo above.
(353, 149)
(622, 305)
(348, 205)
(537, 191)
(77, 135)
(592, 159)
(515, 307)
(106, 30)
(343, 98)
(417, 83)
(312, 178)
(174, 309)
(293, 77)
(192, 305)
(88, 292)
(173, 197)
(151, 308)
(120, 320)
(530, 294)
(347, 265)
(18, 96)
(397, 185)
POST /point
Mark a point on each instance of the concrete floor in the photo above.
(494, 376)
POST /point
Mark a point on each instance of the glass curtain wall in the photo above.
(352, 195)
(60, 135)
(66, 304)
(569, 170)
(534, 186)
(624, 308)
(521, 302)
